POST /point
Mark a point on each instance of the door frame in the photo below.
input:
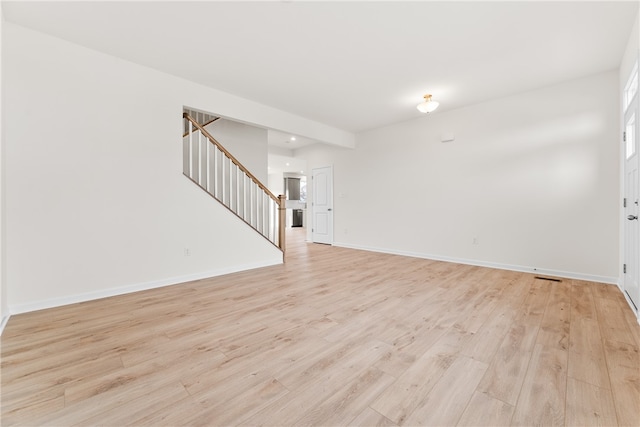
(623, 186)
(313, 206)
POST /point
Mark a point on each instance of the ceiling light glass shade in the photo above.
(428, 105)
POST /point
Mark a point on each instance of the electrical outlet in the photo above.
(187, 252)
(476, 241)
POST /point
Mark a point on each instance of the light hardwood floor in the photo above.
(332, 337)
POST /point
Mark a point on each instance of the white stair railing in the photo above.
(209, 165)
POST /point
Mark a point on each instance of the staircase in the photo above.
(210, 166)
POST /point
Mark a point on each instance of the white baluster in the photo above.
(265, 214)
(261, 212)
(253, 224)
(209, 168)
(190, 150)
(247, 203)
(200, 159)
(230, 185)
(273, 222)
(241, 194)
(224, 181)
(185, 148)
(216, 171)
(220, 154)
(196, 159)
(238, 190)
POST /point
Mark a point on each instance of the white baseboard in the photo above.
(626, 297)
(105, 293)
(525, 269)
(4, 323)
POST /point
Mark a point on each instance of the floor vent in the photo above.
(548, 278)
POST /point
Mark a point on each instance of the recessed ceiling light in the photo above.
(293, 138)
(288, 164)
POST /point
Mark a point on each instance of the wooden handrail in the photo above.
(233, 159)
(259, 224)
(203, 125)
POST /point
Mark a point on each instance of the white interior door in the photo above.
(632, 197)
(322, 205)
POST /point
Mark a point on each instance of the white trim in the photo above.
(620, 285)
(73, 299)
(4, 322)
(525, 269)
(626, 100)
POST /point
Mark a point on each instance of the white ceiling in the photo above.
(287, 141)
(282, 148)
(351, 65)
(286, 164)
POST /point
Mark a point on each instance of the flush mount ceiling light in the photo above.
(428, 105)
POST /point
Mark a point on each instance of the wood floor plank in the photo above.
(478, 308)
(108, 402)
(174, 413)
(590, 368)
(245, 403)
(542, 399)
(508, 369)
(44, 377)
(484, 410)
(554, 328)
(582, 305)
(447, 400)
(369, 417)
(586, 353)
(27, 364)
(624, 372)
(334, 336)
(408, 348)
(456, 337)
(535, 303)
(349, 401)
(613, 324)
(20, 412)
(149, 403)
(319, 387)
(402, 397)
(603, 291)
(485, 342)
(315, 365)
(588, 405)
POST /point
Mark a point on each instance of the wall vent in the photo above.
(548, 278)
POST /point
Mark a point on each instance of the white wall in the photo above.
(533, 177)
(275, 183)
(96, 203)
(630, 53)
(247, 143)
(4, 309)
